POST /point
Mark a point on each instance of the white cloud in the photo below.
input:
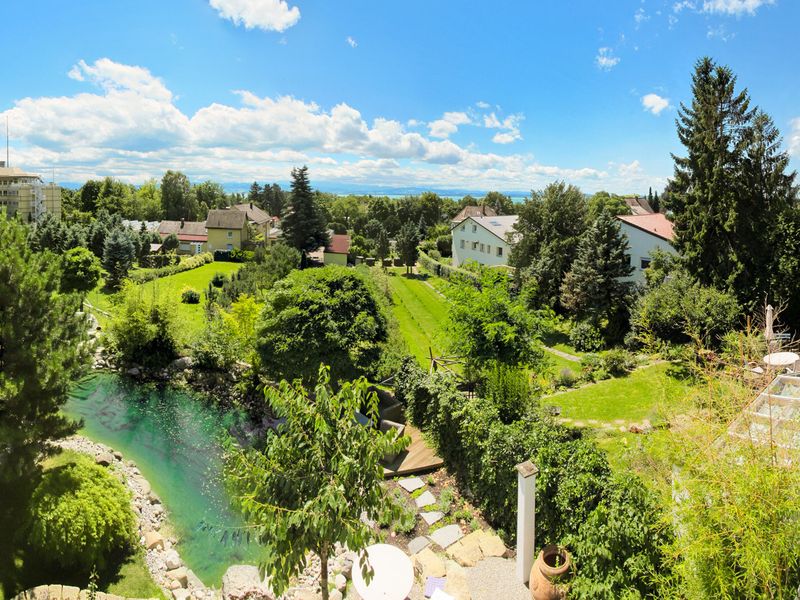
(734, 7)
(794, 138)
(129, 127)
(640, 16)
(351, 42)
(482, 104)
(630, 170)
(679, 6)
(654, 103)
(448, 124)
(720, 32)
(605, 59)
(269, 15)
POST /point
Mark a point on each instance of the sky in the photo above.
(380, 95)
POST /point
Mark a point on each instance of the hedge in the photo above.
(198, 260)
(234, 255)
(446, 271)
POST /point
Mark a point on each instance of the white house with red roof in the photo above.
(646, 233)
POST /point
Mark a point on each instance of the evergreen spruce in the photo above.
(118, 257)
(304, 226)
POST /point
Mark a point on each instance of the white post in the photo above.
(526, 519)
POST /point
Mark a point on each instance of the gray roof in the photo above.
(226, 219)
(182, 228)
(254, 214)
(474, 211)
(501, 226)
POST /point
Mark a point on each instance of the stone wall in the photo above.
(63, 592)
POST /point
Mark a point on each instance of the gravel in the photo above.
(494, 578)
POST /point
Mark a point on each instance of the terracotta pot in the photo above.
(553, 562)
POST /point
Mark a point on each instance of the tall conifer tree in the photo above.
(304, 225)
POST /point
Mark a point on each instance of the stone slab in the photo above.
(447, 535)
(426, 499)
(428, 564)
(456, 584)
(467, 552)
(492, 545)
(418, 543)
(411, 484)
(432, 517)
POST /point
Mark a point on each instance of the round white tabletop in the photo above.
(781, 359)
(393, 574)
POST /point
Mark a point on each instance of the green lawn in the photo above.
(638, 396)
(191, 317)
(420, 312)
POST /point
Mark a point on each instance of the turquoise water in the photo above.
(173, 438)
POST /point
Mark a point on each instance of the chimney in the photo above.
(181, 222)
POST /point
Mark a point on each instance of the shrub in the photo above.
(585, 337)
(198, 260)
(593, 368)
(618, 362)
(218, 280)
(566, 378)
(444, 244)
(235, 255)
(80, 516)
(445, 271)
(190, 296)
(508, 388)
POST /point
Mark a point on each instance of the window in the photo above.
(463, 227)
(499, 251)
(645, 263)
(474, 229)
(462, 244)
(230, 234)
(474, 245)
(488, 249)
(230, 247)
(483, 248)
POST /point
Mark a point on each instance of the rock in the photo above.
(426, 499)
(172, 560)
(70, 592)
(152, 498)
(347, 568)
(432, 517)
(40, 592)
(153, 539)
(428, 564)
(411, 484)
(447, 536)
(242, 582)
(54, 592)
(118, 455)
(174, 584)
(492, 545)
(306, 595)
(456, 584)
(104, 459)
(181, 594)
(182, 363)
(179, 575)
(340, 581)
(143, 484)
(467, 552)
(418, 543)
(194, 580)
(134, 372)
(335, 595)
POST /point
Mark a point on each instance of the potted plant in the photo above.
(547, 572)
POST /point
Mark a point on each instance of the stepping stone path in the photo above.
(432, 517)
(428, 564)
(411, 484)
(426, 499)
(475, 547)
(418, 543)
(447, 535)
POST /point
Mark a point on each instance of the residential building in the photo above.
(137, 225)
(227, 229)
(337, 250)
(638, 205)
(192, 236)
(255, 216)
(26, 196)
(646, 233)
(486, 240)
(472, 211)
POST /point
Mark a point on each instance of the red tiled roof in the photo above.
(655, 224)
(474, 211)
(187, 231)
(340, 244)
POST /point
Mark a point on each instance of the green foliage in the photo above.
(170, 243)
(603, 202)
(309, 486)
(586, 337)
(144, 329)
(43, 350)
(187, 264)
(229, 335)
(80, 270)
(500, 203)
(218, 280)
(680, 310)
(446, 271)
(407, 245)
(382, 245)
(304, 226)
(80, 516)
(256, 277)
(329, 315)
(190, 296)
(177, 197)
(119, 253)
(489, 325)
(508, 388)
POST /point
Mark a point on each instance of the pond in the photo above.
(174, 440)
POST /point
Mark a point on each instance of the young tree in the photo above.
(382, 245)
(80, 271)
(408, 245)
(170, 243)
(42, 351)
(593, 290)
(308, 488)
(118, 256)
(304, 226)
(177, 197)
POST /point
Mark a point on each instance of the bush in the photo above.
(593, 368)
(618, 362)
(190, 296)
(218, 280)
(198, 260)
(446, 271)
(80, 516)
(566, 378)
(586, 337)
(235, 255)
(509, 390)
(444, 244)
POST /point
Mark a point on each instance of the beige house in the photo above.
(257, 217)
(226, 229)
(26, 196)
(192, 236)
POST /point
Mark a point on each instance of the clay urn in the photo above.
(548, 572)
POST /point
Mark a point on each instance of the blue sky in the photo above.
(414, 94)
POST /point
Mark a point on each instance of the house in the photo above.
(192, 236)
(486, 240)
(638, 205)
(337, 250)
(227, 229)
(472, 211)
(255, 216)
(646, 233)
(26, 196)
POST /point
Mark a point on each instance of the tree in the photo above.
(382, 245)
(147, 202)
(118, 256)
(80, 271)
(407, 245)
(42, 351)
(210, 195)
(656, 204)
(605, 202)
(304, 226)
(551, 223)
(593, 290)
(177, 197)
(500, 203)
(310, 486)
(89, 193)
(255, 195)
(275, 201)
(170, 243)
(329, 315)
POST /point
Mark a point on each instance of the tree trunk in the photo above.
(323, 571)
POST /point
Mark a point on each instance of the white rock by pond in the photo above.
(179, 575)
(171, 559)
(104, 459)
(153, 540)
(242, 582)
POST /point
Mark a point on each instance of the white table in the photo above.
(781, 360)
(393, 574)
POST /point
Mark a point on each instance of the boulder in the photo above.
(70, 592)
(182, 363)
(153, 540)
(242, 582)
(467, 552)
(335, 595)
(172, 560)
(104, 459)
(181, 594)
(428, 564)
(54, 592)
(179, 575)
(118, 455)
(456, 584)
(143, 485)
(153, 498)
(134, 372)
(174, 585)
(340, 581)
